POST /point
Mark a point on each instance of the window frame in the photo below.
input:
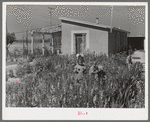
(73, 44)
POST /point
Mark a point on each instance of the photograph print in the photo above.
(75, 56)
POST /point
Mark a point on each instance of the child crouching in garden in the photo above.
(97, 73)
(97, 80)
(80, 71)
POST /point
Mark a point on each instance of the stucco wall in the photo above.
(98, 39)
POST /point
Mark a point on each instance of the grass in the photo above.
(19, 45)
(50, 83)
(10, 63)
(16, 49)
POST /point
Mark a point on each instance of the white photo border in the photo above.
(72, 113)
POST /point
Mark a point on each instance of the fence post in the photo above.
(27, 43)
(43, 43)
(57, 51)
(52, 44)
(32, 43)
(23, 45)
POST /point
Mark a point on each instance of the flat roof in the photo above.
(92, 24)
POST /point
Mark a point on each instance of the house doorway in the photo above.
(80, 43)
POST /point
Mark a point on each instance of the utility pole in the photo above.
(50, 15)
(111, 18)
(51, 25)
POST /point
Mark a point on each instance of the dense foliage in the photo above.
(49, 82)
(10, 38)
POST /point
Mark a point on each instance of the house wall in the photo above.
(98, 37)
(112, 42)
(117, 42)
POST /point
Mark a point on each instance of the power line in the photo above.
(37, 10)
(46, 16)
(40, 22)
(42, 14)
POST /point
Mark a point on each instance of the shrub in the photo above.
(23, 69)
(31, 57)
(47, 52)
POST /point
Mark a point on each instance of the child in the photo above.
(93, 70)
(101, 73)
(97, 72)
(80, 71)
(129, 60)
(79, 68)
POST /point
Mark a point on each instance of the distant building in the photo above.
(136, 39)
(136, 43)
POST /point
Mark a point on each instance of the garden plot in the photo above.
(50, 83)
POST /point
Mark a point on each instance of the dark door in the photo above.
(78, 43)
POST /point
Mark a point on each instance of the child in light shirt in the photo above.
(79, 68)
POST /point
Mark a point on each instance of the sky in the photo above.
(23, 17)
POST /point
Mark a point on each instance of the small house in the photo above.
(80, 36)
(76, 36)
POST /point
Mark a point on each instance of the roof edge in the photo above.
(84, 22)
(92, 24)
(114, 28)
